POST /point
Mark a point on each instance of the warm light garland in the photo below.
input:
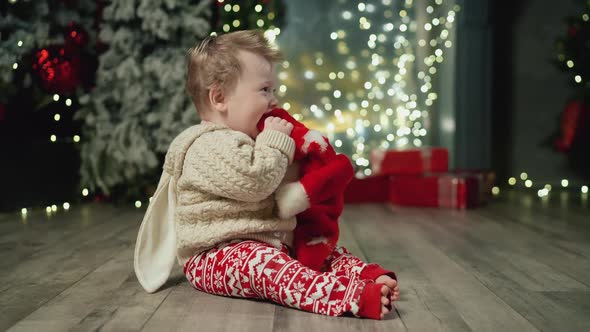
(374, 94)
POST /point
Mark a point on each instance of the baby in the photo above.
(220, 177)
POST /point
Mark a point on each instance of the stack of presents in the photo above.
(420, 177)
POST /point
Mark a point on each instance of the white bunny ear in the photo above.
(155, 249)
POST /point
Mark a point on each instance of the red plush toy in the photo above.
(317, 199)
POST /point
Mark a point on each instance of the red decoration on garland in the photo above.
(570, 120)
(63, 68)
(572, 31)
(75, 35)
(57, 68)
(99, 198)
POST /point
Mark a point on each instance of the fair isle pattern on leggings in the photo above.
(252, 269)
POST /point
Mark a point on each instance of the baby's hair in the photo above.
(215, 62)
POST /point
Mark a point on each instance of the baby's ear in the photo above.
(217, 99)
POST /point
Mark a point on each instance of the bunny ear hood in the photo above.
(155, 248)
(178, 148)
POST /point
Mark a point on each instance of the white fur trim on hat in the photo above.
(317, 240)
(314, 136)
(291, 199)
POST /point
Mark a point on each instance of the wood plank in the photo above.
(422, 306)
(577, 304)
(480, 308)
(110, 298)
(288, 319)
(501, 266)
(554, 215)
(127, 308)
(72, 305)
(187, 309)
(571, 234)
(46, 274)
(350, 242)
(557, 253)
(42, 231)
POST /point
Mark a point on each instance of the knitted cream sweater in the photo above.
(225, 184)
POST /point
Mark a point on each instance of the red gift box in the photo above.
(435, 190)
(486, 180)
(409, 161)
(372, 189)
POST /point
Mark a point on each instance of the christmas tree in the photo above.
(29, 31)
(139, 103)
(232, 15)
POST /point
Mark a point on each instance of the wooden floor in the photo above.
(519, 264)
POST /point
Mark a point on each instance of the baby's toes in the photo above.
(387, 280)
(391, 283)
(384, 311)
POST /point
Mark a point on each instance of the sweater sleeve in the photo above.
(230, 164)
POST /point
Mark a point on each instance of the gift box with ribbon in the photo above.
(409, 161)
(486, 180)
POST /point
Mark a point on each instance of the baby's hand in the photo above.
(275, 123)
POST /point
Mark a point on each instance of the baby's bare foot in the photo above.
(391, 284)
(385, 301)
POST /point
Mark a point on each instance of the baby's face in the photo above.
(253, 94)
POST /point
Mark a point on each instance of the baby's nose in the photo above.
(273, 102)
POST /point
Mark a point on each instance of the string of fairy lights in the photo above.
(542, 191)
(365, 96)
(265, 22)
(53, 138)
(56, 97)
(562, 58)
(375, 88)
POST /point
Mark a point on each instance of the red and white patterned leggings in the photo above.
(252, 269)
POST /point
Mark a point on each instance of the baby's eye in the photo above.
(266, 89)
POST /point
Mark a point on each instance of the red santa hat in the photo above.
(317, 198)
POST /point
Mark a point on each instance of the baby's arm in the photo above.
(228, 164)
